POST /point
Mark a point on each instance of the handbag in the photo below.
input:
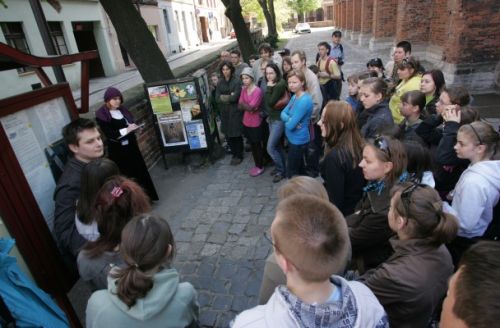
(283, 101)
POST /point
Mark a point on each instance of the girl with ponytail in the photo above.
(413, 281)
(145, 291)
(116, 203)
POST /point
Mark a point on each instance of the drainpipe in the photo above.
(47, 39)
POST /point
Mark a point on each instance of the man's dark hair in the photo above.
(254, 57)
(326, 45)
(337, 33)
(477, 287)
(236, 52)
(405, 45)
(266, 47)
(70, 131)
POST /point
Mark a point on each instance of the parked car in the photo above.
(302, 28)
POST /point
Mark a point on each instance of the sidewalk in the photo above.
(131, 78)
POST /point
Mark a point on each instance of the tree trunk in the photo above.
(233, 12)
(271, 23)
(273, 16)
(136, 38)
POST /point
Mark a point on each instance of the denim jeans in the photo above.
(296, 155)
(274, 147)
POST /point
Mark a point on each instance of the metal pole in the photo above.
(47, 40)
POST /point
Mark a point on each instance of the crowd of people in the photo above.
(405, 213)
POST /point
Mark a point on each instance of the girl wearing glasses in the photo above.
(384, 165)
(343, 178)
(478, 190)
(414, 279)
(410, 80)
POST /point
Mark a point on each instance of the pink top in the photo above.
(251, 119)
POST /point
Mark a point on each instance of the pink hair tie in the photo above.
(116, 192)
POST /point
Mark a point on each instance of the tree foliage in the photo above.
(304, 6)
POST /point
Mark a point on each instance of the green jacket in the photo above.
(168, 304)
(272, 95)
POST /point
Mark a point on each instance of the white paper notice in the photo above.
(52, 114)
(32, 161)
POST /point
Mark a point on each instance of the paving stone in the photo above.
(248, 241)
(222, 302)
(227, 270)
(242, 218)
(190, 223)
(206, 268)
(256, 209)
(205, 299)
(217, 238)
(239, 304)
(210, 249)
(188, 268)
(224, 318)
(262, 252)
(253, 286)
(237, 228)
(220, 227)
(183, 235)
(208, 317)
(202, 228)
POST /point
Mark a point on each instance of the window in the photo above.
(58, 38)
(154, 30)
(14, 35)
(167, 22)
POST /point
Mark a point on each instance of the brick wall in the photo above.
(384, 18)
(356, 15)
(366, 16)
(438, 31)
(349, 11)
(413, 19)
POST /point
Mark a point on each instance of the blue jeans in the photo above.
(296, 155)
(274, 147)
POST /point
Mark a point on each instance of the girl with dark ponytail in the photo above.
(413, 281)
(145, 291)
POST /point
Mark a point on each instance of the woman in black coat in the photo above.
(117, 124)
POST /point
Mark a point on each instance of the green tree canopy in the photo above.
(304, 6)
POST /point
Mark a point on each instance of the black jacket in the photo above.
(66, 194)
(343, 182)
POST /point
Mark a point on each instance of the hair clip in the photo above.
(116, 192)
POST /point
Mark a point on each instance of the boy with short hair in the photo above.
(353, 89)
(311, 241)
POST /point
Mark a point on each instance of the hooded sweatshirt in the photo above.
(356, 308)
(475, 195)
(168, 304)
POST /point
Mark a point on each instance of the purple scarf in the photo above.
(103, 114)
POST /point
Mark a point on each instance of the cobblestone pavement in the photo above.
(220, 214)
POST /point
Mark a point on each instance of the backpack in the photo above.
(327, 65)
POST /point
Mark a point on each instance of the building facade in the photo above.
(459, 37)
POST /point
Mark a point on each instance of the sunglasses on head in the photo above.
(406, 195)
(382, 144)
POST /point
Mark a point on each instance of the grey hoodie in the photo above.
(476, 194)
(168, 304)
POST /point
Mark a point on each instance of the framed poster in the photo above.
(30, 138)
(32, 135)
(159, 97)
(172, 129)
